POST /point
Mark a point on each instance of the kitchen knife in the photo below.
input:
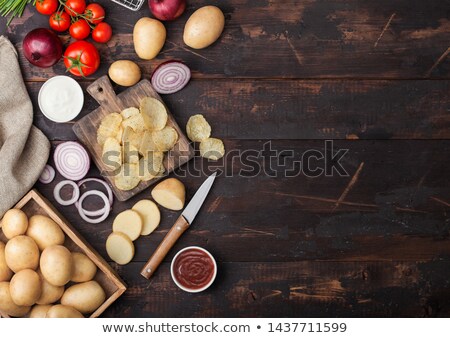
(181, 225)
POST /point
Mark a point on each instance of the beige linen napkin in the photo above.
(24, 150)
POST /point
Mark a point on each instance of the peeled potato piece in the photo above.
(128, 222)
(197, 128)
(170, 194)
(150, 215)
(154, 113)
(120, 248)
(212, 148)
(165, 139)
(128, 178)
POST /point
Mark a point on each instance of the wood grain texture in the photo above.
(86, 130)
(299, 109)
(286, 39)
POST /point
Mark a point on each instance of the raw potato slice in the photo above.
(112, 154)
(150, 215)
(109, 127)
(129, 112)
(154, 113)
(135, 122)
(170, 194)
(128, 177)
(151, 166)
(197, 128)
(128, 222)
(120, 248)
(212, 148)
(147, 145)
(165, 139)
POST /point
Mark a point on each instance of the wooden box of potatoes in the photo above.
(47, 270)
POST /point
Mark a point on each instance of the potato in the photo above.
(63, 311)
(22, 252)
(150, 215)
(84, 269)
(212, 149)
(5, 271)
(50, 293)
(204, 27)
(14, 223)
(128, 222)
(25, 287)
(84, 297)
(197, 128)
(45, 231)
(57, 265)
(154, 113)
(39, 311)
(170, 194)
(120, 248)
(7, 305)
(124, 72)
(149, 36)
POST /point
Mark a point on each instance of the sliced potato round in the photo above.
(128, 222)
(212, 148)
(135, 122)
(129, 112)
(147, 145)
(120, 248)
(128, 178)
(165, 139)
(151, 166)
(149, 212)
(112, 154)
(109, 127)
(197, 128)
(154, 113)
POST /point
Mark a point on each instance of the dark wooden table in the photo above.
(374, 76)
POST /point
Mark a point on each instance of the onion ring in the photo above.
(110, 197)
(47, 175)
(75, 193)
(106, 208)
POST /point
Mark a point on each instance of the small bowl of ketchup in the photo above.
(193, 269)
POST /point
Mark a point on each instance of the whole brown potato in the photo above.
(56, 265)
(63, 311)
(85, 297)
(7, 305)
(45, 231)
(5, 271)
(14, 223)
(25, 287)
(21, 252)
(84, 269)
(39, 311)
(50, 293)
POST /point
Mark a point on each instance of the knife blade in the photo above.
(181, 225)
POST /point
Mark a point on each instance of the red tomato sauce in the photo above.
(193, 269)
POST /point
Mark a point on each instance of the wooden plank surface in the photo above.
(313, 38)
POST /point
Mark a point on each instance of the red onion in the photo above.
(42, 47)
(75, 193)
(170, 77)
(167, 10)
(105, 209)
(72, 160)
(47, 175)
(110, 197)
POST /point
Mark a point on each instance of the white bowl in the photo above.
(59, 88)
(188, 289)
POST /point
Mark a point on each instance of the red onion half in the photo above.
(42, 47)
(170, 77)
(72, 160)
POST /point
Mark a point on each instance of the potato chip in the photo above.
(131, 137)
(165, 139)
(197, 128)
(154, 113)
(128, 177)
(130, 153)
(147, 144)
(119, 135)
(109, 127)
(151, 166)
(212, 148)
(129, 112)
(136, 122)
(112, 154)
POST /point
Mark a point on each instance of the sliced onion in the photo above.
(75, 193)
(97, 212)
(72, 160)
(105, 209)
(170, 77)
(48, 174)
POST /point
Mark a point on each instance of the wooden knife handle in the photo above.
(164, 247)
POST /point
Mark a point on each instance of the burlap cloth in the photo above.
(24, 150)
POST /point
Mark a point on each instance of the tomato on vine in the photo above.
(94, 13)
(59, 21)
(102, 32)
(80, 29)
(75, 7)
(81, 58)
(46, 7)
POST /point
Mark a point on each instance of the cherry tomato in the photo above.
(46, 7)
(94, 13)
(81, 58)
(102, 32)
(59, 21)
(75, 7)
(79, 29)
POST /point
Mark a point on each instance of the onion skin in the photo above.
(42, 47)
(167, 10)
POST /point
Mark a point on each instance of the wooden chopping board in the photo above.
(86, 129)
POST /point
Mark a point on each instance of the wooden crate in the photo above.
(33, 204)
